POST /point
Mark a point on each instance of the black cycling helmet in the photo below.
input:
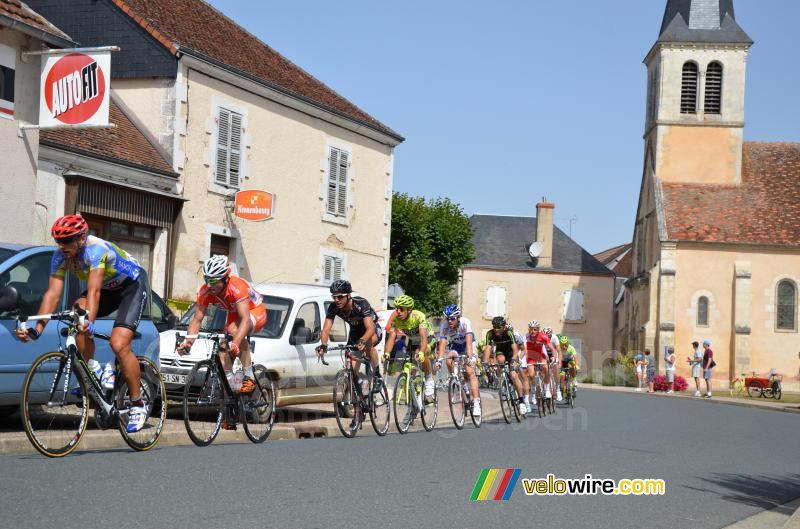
(498, 322)
(340, 286)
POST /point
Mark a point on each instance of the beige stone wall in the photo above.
(21, 217)
(705, 270)
(700, 155)
(285, 152)
(153, 103)
(539, 295)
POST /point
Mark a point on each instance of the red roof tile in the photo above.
(764, 209)
(125, 143)
(196, 25)
(617, 259)
(20, 11)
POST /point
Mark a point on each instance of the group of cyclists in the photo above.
(114, 283)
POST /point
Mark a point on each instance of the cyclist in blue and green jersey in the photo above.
(419, 335)
(569, 360)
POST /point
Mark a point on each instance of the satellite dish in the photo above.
(535, 249)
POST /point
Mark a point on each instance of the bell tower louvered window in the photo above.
(338, 164)
(689, 88)
(229, 145)
(713, 99)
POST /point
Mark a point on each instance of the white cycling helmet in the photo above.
(533, 323)
(216, 267)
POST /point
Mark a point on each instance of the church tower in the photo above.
(695, 103)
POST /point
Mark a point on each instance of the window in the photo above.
(339, 329)
(713, 100)
(689, 88)
(278, 310)
(573, 305)
(136, 240)
(229, 144)
(495, 301)
(220, 245)
(786, 314)
(338, 164)
(702, 311)
(331, 269)
(8, 56)
(306, 327)
(30, 278)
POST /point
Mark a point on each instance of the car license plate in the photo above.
(173, 378)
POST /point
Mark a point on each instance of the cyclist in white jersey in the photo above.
(456, 338)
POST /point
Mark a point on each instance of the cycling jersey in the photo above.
(236, 291)
(355, 319)
(502, 345)
(519, 339)
(456, 338)
(569, 356)
(411, 326)
(117, 265)
(535, 346)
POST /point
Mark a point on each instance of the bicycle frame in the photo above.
(215, 338)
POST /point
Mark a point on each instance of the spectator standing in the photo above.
(708, 365)
(638, 359)
(651, 370)
(669, 360)
(696, 360)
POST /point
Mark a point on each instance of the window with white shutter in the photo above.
(495, 301)
(331, 269)
(229, 145)
(573, 305)
(338, 164)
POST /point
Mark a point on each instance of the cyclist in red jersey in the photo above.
(537, 343)
(246, 315)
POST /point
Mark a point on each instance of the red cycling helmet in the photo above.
(69, 226)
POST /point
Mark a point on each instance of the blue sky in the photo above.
(504, 102)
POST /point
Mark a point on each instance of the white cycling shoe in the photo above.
(430, 387)
(523, 409)
(476, 409)
(547, 394)
(137, 415)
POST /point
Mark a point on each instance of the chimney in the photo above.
(544, 233)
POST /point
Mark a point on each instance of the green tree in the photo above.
(431, 241)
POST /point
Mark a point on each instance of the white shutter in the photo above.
(341, 199)
(327, 273)
(573, 305)
(338, 163)
(495, 301)
(333, 184)
(235, 149)
(337, 269)
(223, 139)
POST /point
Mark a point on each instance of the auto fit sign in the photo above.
(253, 205)
(75, 89)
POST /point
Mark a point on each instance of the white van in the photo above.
(285, 346)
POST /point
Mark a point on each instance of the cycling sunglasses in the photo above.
(452, 318)
(68, 240)
(212, 280)
(338, 296)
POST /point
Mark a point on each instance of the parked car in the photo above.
(285, 346)
(24, 277)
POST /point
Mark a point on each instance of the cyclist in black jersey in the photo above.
(501, 344)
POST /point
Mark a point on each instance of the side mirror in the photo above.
(9, 298)
(172, 321)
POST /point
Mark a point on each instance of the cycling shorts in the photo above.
(356, 334)
(535, 357)
(258, 316)
(128, 300)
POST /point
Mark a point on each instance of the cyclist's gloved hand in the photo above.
(88, 328)
(321, 348)
(33, 333)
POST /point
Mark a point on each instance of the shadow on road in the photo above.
(761, 491)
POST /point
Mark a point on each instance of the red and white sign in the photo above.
(75, 89)
(253, 205)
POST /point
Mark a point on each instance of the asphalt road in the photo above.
(720, 464)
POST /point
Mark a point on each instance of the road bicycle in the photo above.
(569, 387)
(409, 397)
(554, 386)
(208, 398)
(60, 384)
(354, 397)
(458, 395)
(538, 390)
(509, 398)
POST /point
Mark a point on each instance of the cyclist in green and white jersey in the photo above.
(419, 336)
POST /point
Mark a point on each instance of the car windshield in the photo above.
(278, 310)
(5, 253)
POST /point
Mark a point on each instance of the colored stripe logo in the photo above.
(495, 484)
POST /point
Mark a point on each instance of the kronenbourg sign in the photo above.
(75, 89)
(253, 205)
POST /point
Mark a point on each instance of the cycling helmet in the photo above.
(69, 226)
(510, 327)
(340, 286)
(498, 322)
(451, 311)
(216, 267)
(564, 340)
(534, 324)
(405, 302)
(548, 331)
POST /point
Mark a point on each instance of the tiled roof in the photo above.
(764, 209)
(197, 26)
(21, 12)
(502, 242)
(617, 259)
(124, 144)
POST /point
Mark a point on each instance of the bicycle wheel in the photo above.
(506, 404)
(514, 401)
(430, 409)
(776, 393)
(380, 410)
(539, 398)
(257, 409)
(456, 399)
(345, 404)
(202, 403)
(754, 389)
(403, 407)
(154, 395)
(54, 424)
(737, 387)
(476, 419)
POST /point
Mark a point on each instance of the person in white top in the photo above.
(669, 359)
(456, 338)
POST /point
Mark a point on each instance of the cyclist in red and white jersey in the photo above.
(247, 314)
(538, 345)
